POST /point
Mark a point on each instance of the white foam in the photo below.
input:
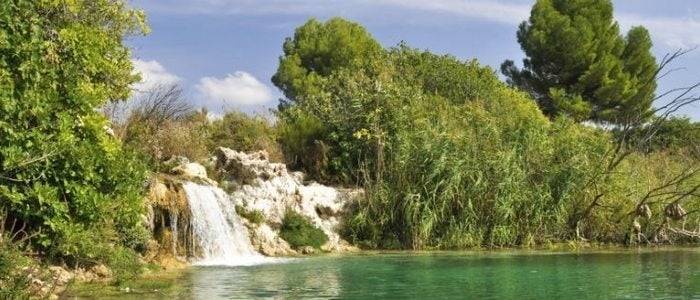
(222, 238)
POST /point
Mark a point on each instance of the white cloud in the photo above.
(244, 7)
(153, 74)
(235, 90)
(498, 11)
(508, 13)
(671, 32)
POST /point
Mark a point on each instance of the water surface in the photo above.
(619, 274)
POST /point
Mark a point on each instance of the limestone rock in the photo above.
(271, 189)
(267, 242)
(61, 276)
(101, 271)
(306, 250)
(191, 170)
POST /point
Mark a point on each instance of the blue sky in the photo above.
(224, 52)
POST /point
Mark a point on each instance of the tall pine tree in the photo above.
(579, 65)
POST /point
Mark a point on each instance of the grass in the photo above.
(298, 231)
(254, 216)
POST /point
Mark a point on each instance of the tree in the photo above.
(314, 60)
(319, 49)
(579, 65)
(443, 75)
(669, 134)
(61, 176)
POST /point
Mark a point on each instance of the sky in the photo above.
(224, 52)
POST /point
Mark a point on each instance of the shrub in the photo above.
(241, 132)
(301, 136)
(161, 127)
(125, 265)
(15, 271)
(485, 173)
(254, 216)
(298, 231)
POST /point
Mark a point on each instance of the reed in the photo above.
(492, 173)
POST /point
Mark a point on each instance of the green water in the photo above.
(622, 274)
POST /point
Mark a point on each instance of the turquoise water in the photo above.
(620, 274)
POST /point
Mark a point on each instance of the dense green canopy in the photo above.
(317, 50)
(61, 176)
(451, 157)
(579, 65)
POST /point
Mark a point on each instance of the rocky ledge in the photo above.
(263, 187)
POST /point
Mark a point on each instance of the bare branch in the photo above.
(626, 144)
(163, 103)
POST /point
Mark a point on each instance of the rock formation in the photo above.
(256, 186)
(259, 185)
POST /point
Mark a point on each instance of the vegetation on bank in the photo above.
(69, 193)
(450, 156)
(299, 232)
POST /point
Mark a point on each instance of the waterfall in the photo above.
(173, 229)
(221, 237)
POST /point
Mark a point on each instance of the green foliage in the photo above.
(452, 158)
(254, 216)
(446, 76)
(486, 173)
(301, 138)
(322, 59)
(317, 51)
(125, 264)
(15, 269)
(61, 176)
(673, 134)
(238, 131)
(162, 125)
(579, 65)
(298, 231)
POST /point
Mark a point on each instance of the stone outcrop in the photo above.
(269, 188)
(167, 215)
(185, 170)
(255, 185)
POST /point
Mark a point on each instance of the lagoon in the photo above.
(513, 274)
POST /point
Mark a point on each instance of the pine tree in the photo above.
(579, 65)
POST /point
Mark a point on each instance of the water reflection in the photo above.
(459, 275)
(293, 279)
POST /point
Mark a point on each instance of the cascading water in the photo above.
(222, 238)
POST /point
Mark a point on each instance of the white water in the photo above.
(222, 238)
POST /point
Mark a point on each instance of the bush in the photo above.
(241, 132)
(254, 216)
(298, 231)
(15, 269)
(125, 265)
(484, 173)
(451, 157)
(163, 125)
(300, 136)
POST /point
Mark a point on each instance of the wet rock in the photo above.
(271, 189)
(61, 276)
(306, 250)
(101, 271)
(267, 242)
(191, 170)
